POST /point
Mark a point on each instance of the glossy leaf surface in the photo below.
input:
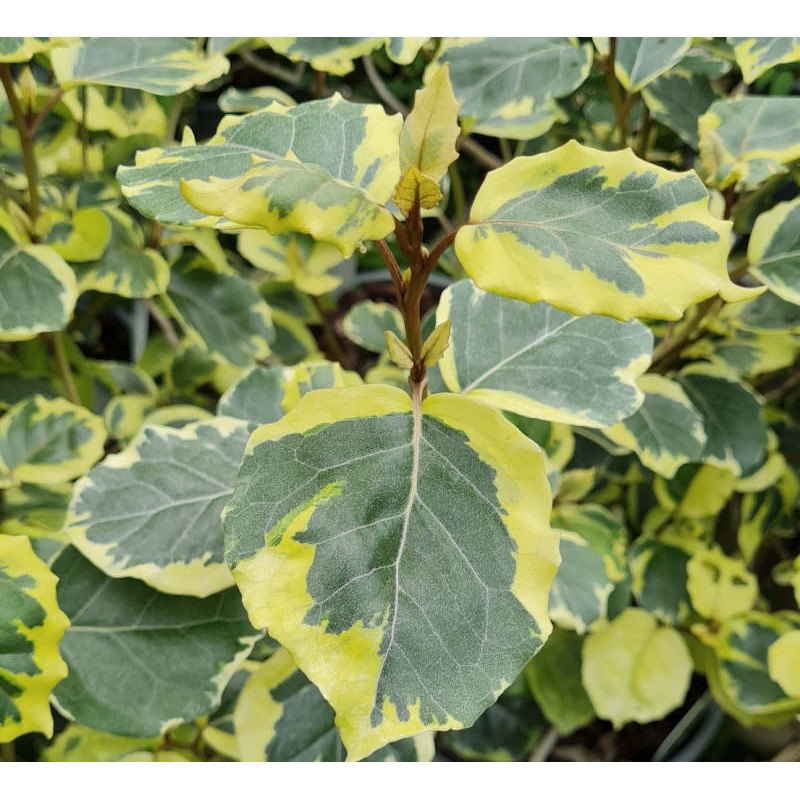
(756, 55)
(774, 250)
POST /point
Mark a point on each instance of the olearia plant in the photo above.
(529, 497)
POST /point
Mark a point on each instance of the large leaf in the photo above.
(223, 311)
(595, 232)
(639, 61)
(37, 290)
(665, 431)
(31, 626)
(153, 511)
(281, 716)
(507, 86)
(634, 670)
(344, 152)
(541, 362)
(745, 140)
(735, 430)
(355, 516)
(48, 441)
(774, 250)
(140, 661)
(756, 55)
(164, 66)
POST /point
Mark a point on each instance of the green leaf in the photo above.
(16, 49)
(554, 678)
(176, 653)
(659, 576)
(83, 237)
(270, 170)
(332, 54)
(281, 716)
(755, 55)
(769, 313)
(294, 342)
(697, 491)
(639, 61)
(243, 101)
(634, 670)
(774, 250)
(127, 267)
(79, 743)
(739, 677)
(354, 516)
(153, 511)
(403, 50)
(49, 441)
(735, 430)
(745, 140)
(665, 431)
(535, 360)
(596, 232)
(220, 732)
(783, 661)
(163, 66)
(506, 731)
(507, 86)
(223, 311)
(720, 586)
(31, 626)
(366, 322)
(37, 290)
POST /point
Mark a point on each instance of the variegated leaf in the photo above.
(774, 250)
(507, 86)
(330, 54)
(48, 441)
(635, 670)
(665, 431)
(176, 654)
(269, 170)
(596, 232)
(697, 491)
(403, 50)
(224, 312)
(535, 360)
(79, 743)
(639, 61)
(153, 511)
(16, 49)
(83, 237)
(243, 101)
(122, 112)
(355, 514)
(720, 586)
(783, 662)
(768, 313)
(756, 55)
(745, 140)
(294, 341)
(164, 66)
(366, 322)
(281, 716)
(31, 626)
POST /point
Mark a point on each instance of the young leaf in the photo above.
(745, 140)
(49, 441)
(665, 431)
(398, 350)
(175, 653)
(635, 670)
(541, 362)
(596, 232)
(755, 55)
(774, 250)
(436, 344)
(165, 66)
(31, 626)
(408, 551)
(153, 511)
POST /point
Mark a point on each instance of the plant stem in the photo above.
(273, 70)
(64, 371)
(174, 118)
(668, 351)
(644, 134)
(505, 150)
(7, 752)
(26, 145)
(478, 152)
(44, 111)
(84, 134)
(170, 336)
(545, 747)
(331, 339)
(458, 195)
(613, 90)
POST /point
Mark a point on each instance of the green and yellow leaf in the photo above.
(755, 55)
(49, 441)
(639, 61)
(635, 670)
(16, 49)
(366, 322)
(152, 512)
(596, 232)
(243, 101)
(79, 743)
(720, 586)
(783, 662)
(332, 54)
(774, 250)
(347, 571)
(31, 626)
(535, 360)
(82, 237)
(696, 491)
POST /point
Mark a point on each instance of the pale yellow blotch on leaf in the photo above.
(783, 662)
(719, 586)
(416, 187)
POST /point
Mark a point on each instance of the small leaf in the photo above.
(596, 232)
(634, 670)
(82, 238)
(17, 49)
(49, 441)
(697, 491)
(332, 54)
(79, 743)
(416, 188)
(348, 571)
(366, 322)
(639, 61)
(164, 66)
(756, 55)
(774, 250)
(153, 511)
(783, 661)
(720, 586)
(176, 653)
(398, 350)
(31, 627)
(541, 362)
(436, 344)
(745, 140)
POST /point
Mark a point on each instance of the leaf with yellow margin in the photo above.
(639, 61)
(31, 626)
(332, 54)
(596, 232)
(783, 661)
(366, 322)
(16, 49)
(774, 250)
(720, 586)
(81, 237)
(353, 517)
(756, 55)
